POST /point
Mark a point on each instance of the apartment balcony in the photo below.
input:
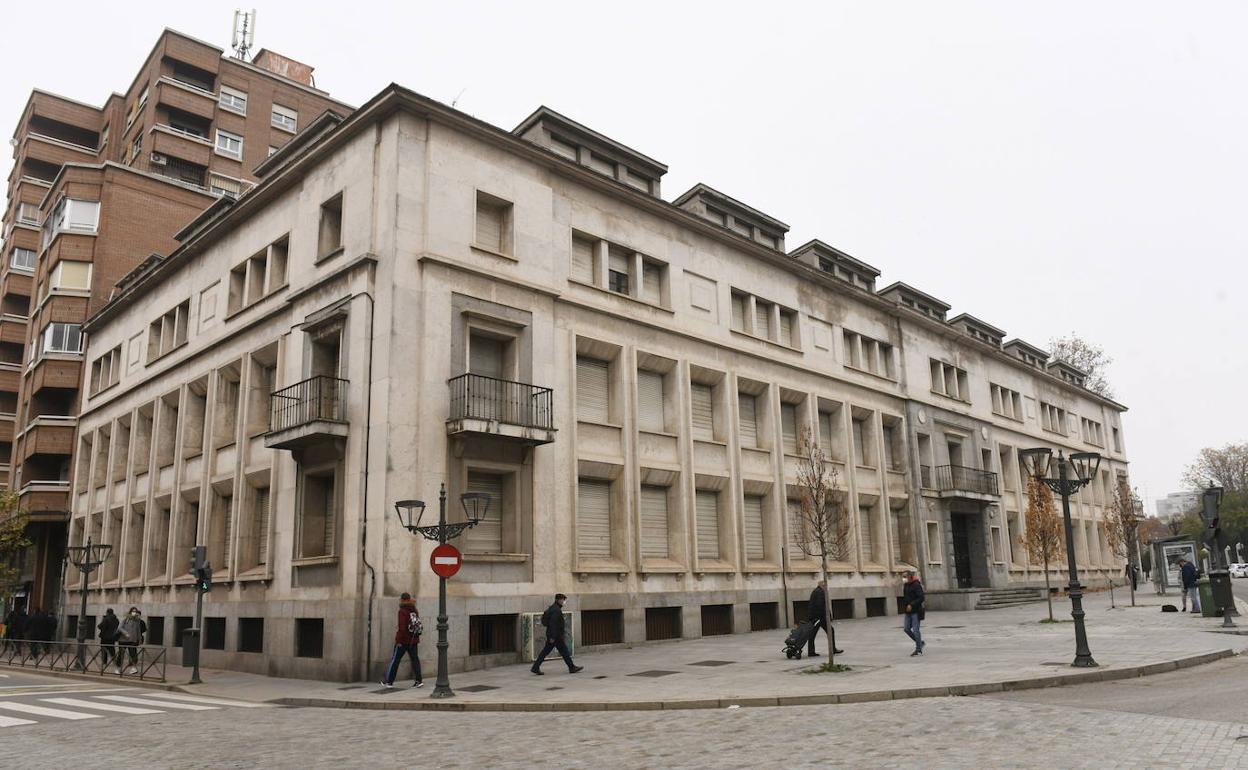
(173, 143)
(310, 412)
(57, 373)
(512, 411)
(45, 500)
(13, 328)
(56, 152)
(8, 421)
(49, 435)
(187, 97)
(968, 483)
(10, 377)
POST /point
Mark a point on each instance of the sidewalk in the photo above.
(967, 653)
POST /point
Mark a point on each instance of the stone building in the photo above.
(93, 191)
(412, 298)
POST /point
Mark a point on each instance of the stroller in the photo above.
(798, 638)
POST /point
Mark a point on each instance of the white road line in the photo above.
(163, 704)
(206, 700)
(90, 704)
(14, 722)
(43, 691)
(29, 686)
(41, 711)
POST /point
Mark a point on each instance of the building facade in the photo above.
(1177, 504)
(412, 300)
(94, 191)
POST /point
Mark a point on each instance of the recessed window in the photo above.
(593, 518)
(233, 100)
(22, 259)
(491, 634)
(329, 238)
(487, 536)
(949, 380)
(214, 633)
(106, 370)
(71, 215)
(317, 514)
(285, 118)
(62, 338)
(1007, 403)
(309, 638)
(619, 269)
(251, 634)
(493, 224)
(28, 213)
(230, 145)
(224, 186)
(583, 258)
(169, 331)
(592, 389)
(71, 275)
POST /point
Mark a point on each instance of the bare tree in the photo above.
(1044, 531)
(1227, 467)
(823, 519)
(1084, 355)
(1122, 525)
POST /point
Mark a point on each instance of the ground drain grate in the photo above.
(655, 673)
(712, 663)
(478, 688)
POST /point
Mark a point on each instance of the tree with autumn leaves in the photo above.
(1044, 531)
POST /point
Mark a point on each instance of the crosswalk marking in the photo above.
(14, 722)
(90, 704)
(42, 711)
(207, 700)
(164, 704)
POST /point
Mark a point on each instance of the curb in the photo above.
(92, 678)
(1083, 677)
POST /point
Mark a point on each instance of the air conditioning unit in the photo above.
(158, 159)
(533, 635)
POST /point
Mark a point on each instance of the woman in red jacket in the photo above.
(406, 637)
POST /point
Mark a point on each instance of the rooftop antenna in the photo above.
(455, 101)
(244, 33)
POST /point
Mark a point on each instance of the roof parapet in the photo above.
(977, 329)
(731, 214)
(1067, 371)
(835, 262)
(920, 302)
(577, 142)
(1027, 353)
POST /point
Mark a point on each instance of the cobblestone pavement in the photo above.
(930, 733)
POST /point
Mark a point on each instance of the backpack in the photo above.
(414, 626)
(130, 630)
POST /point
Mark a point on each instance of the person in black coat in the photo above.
(108, 636)
(552, 619)
(15, 627)
(816, 612)
(913, 595)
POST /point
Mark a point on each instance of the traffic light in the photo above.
(199, 559)
(203, 579)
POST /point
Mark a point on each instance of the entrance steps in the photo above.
(1008, 597)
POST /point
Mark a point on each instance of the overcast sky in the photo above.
(1047, 167)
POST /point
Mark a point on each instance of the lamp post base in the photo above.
(442, 692)
(1084, 661)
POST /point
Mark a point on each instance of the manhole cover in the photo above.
(477, 688)
(712, 663)
(654, 673)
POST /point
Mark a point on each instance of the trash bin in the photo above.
(190, 647)
(1208, 607)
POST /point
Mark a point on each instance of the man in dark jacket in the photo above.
(913, 596)
(552, 619)
(1187, 571)
(108, 636)
(15, 627)
(37, 630)
(130, 635)
(406, 638)
(816, 613)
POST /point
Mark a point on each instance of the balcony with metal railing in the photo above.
(309, 412)
(513, 411)
(964, 482)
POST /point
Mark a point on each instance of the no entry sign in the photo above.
(445, 560)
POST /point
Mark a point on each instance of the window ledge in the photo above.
(711, 441)
(715, 566)
(761, 568)
(168, 352)
(662, 567)
(492, 252)
(330, 255)
(871, 468)
(105, 389)
(629, 297)
(497, 558)
(1003, 416)
(314, 561)
(256, 573)
(217, 151)
(771, 342)
(601, 566)
(663, 433)
(600, 424)
(873, 567)
(877, 375)
(949, 397)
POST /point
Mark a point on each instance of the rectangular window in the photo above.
(762, 319)
(892, 450)
(251, 634)
(168, 332)
(491, 634)
(493, 227)
(593, 518)
(316, 531)
(866, 533)
(652, 281)
(260, 512)
(223, 186)
(602, 627)
(71, 275)
(753, 519)
(28, 213)
(106, 370)
(825, 434)
(788, 426)
(592, 390)
(309, 637)
(285, 118)
(62, 338)
(583, 249)
(230, 145)
(650, 401)
(862, 454)
(701, 399)
(619, 269)
(233, 100)
(329, 237)
(853, 349)
(707, 514)
(739, 304)
(949, 380)
(22, 259)
(136, 147)
(487, 537)
(214, 633)
(70, 215)
(654, 526)
(788, 324)
(934, 550)
(747, 407)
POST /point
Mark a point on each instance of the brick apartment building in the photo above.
(92, 193)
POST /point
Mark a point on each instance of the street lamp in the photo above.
(410, 513)
(86, 558)
(1083, 467)
(1219, 571)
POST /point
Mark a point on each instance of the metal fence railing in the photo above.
(316, 398)
(475, 396)
(959, 478)
(143, 662)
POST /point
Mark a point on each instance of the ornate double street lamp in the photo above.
(1219, 570)
(86, 558)
(1073, 474)
(410, 513)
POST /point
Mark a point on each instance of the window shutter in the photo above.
(703, 411)
(896, 515)
(762, 320)
(227, 506)
(796, 527)
(786, 329)
(651, 282)
(738, 312)
(487, 537)
(749, 422)
(653, 522)
(860, 448)
(619, 260)
(329, 521)
(788, 426)
(489, 225)
(865, 534)
(485, 356)
(707, 515)
(754, 528)
(825, 434)
(591, 389)
(593, 518)
(649, 400)
(583, 259)
(262, 525)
